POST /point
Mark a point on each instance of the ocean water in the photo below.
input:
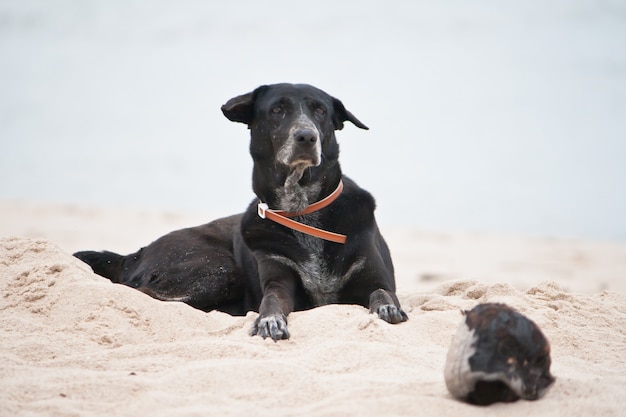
(495, 116)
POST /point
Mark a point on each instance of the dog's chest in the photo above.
(322, 285)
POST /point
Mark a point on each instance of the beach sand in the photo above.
(74, 344)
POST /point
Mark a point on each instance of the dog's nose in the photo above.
(306, 137)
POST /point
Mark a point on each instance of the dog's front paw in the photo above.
(391, 314)
(274, 326)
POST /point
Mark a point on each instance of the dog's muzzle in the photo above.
(303, 145)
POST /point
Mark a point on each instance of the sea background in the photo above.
(489, 116)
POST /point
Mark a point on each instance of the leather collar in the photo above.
(282, 217)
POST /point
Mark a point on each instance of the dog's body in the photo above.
(195, 265)
(246, 262)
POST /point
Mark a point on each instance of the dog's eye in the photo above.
(277, 110)
(320, 111)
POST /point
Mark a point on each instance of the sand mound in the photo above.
(75, 344)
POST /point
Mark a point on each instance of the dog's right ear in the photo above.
(240, 109)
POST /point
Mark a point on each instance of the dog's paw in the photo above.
(274, 326)
(391, 314)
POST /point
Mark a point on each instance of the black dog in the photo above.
(311, 240)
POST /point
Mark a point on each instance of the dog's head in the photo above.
(293, 141)
(293, 124)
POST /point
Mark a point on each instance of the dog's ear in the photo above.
(340, 115)
(241, 108)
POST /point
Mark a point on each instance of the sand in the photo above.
(74, 344)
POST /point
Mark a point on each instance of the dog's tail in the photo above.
(107, 264)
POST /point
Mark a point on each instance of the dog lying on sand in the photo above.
(308, 239)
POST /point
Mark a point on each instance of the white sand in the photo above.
(73, 344)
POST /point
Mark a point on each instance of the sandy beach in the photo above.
(75, 344)
(498, 117)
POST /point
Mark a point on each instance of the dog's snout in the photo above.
(306, 137)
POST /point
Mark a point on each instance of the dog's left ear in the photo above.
(240, 108)
(340, 115)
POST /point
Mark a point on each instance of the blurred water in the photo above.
(498, 116)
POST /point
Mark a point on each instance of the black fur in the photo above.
(243, 262)
(194, 265)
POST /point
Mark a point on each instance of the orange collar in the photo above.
(282, 217)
